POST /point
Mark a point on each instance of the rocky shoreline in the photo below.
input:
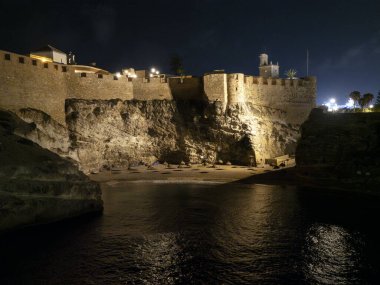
(36, 185)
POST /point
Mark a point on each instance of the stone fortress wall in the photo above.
(25, 82)
(294, 96)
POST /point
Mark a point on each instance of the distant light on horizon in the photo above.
(331, 105)
(350, 103)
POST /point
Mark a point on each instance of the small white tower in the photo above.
(263, 59)
(268, 70)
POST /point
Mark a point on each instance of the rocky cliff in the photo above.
(36, 185)
(111, 133)
(117, 133)
(341, 148)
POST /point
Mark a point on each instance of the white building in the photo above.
(268, 69)
(49, 54)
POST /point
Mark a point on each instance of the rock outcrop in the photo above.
(45, 131)
(36, 185)
(106, 133)
(114, 133)
(341, 148)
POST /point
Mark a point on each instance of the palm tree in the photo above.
(362, 102)
(355, 96)
(291, 73)
(368, 97)
(176, 65)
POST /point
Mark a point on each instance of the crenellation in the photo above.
(28, 82)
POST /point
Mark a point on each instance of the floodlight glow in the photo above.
(153, 70)
(157, 72)
(151, 75)
(118, 75)
(350, 103)
(371, 106)
(332, 100)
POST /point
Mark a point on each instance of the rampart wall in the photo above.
(294, 96)
(91, 86)
(30, 83)
(188, 88)
(25, 82)
(215, 87)
(151, 89)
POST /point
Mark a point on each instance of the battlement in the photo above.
(26, 61)
(29, 82)
(295, 96)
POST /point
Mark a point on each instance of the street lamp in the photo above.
(154, 72)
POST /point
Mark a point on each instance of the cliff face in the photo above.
(36, 185)
(340, 147)
(116, 133)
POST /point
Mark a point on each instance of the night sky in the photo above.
(343, 37)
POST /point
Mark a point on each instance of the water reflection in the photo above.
(332, 255)
(202, 234)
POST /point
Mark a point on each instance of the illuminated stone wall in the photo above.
(42, 86)
(215, 87)
(295, 97)
(29, 83)
(189, 88)
(151, 89)
(25, 82)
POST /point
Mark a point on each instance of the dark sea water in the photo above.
(204, 234)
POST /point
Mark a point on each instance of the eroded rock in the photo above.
(117, 133)
(36, 185)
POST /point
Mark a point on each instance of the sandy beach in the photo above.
(184, 174)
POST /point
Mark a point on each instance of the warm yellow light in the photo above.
(41, 58)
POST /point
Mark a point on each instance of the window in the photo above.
(21, 60)
(7, 56)
(83, 74)
(100, 75)
(115, 78)
(34, 62)
(64, 69)
(46, 65)
(56, 67)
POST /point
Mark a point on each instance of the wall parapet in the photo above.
(27, 82)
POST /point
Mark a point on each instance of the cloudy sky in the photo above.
(343, 37)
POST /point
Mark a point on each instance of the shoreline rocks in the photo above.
(340, 148)
(36, 185)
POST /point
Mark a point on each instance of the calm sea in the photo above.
(154, 233)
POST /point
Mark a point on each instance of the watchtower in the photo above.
(268, 70)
